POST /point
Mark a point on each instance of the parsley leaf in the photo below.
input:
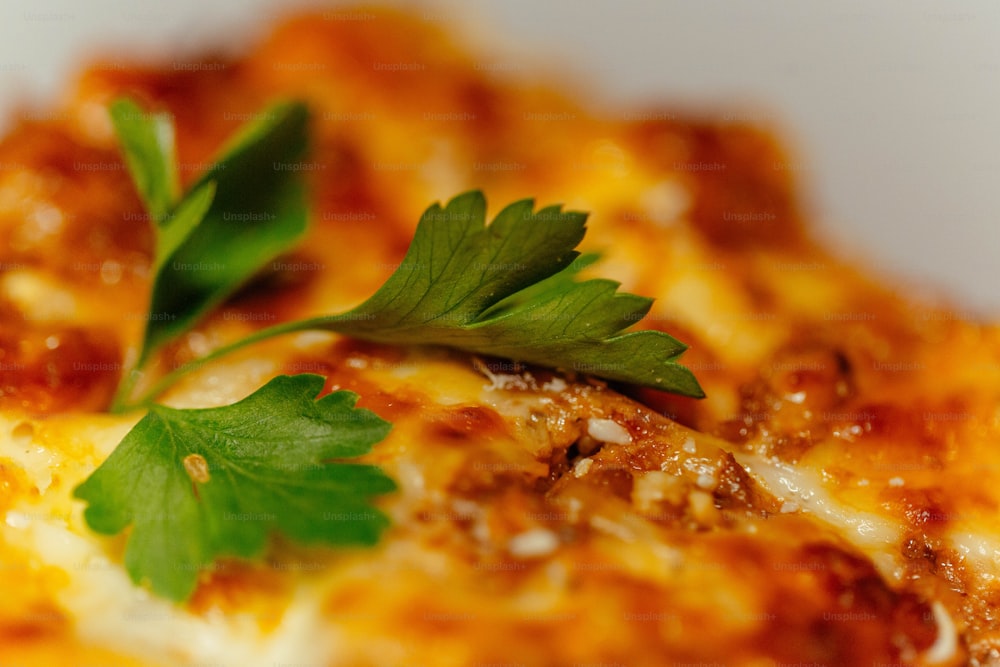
(456, 269)
(252, 198)
(508, 290)
(148, 144)
(199, 484)
(259, 207)
(175, 228)
(497, 290)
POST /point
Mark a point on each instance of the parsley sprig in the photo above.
(196, 485)
(199, 484)
(241, 202)
(507, 290)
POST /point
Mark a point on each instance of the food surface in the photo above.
(832, 500)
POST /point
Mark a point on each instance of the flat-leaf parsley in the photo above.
(199, 484)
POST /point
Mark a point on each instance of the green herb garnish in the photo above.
(147, 141)
(199, 484)
(247, 209)
(508, 290)
(222, 479)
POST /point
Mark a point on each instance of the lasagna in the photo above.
(832, 501)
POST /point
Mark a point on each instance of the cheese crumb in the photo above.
(654, 486)
(706, 481)
(197, 468)
(608, 430)
(557, 385)
(702, 507)
(534, 543)
(611, 527)
(582, 467)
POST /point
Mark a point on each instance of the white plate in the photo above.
(893, 108)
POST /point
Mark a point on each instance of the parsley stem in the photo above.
(170, 378)
(120, 401)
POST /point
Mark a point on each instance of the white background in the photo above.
(892, 107)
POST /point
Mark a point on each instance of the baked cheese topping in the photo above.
(831, 502)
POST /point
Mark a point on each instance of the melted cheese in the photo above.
(832, 501)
